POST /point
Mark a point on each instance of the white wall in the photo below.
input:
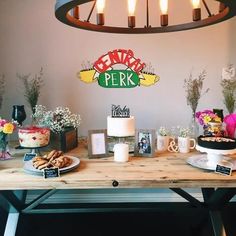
(31, 37)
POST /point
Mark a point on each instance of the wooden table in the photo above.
(166, 170)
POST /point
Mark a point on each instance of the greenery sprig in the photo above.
(2, 88)
(229, 91)
(193, 88)
(32, 87)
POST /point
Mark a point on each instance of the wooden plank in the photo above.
(166, 170)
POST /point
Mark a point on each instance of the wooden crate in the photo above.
(65, 140)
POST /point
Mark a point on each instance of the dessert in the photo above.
(120, 123)
(120, 127)
(34, 137)
(220, 143)
(53, 159)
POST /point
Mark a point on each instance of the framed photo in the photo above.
(145, 143)
(97, 143)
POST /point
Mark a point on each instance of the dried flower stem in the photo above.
(32, 87)
(193, 88)
(229, 92)
(2, 88)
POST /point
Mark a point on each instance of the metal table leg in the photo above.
(215, 200)
(11, 225)
(217, 223)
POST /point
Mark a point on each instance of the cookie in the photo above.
(51, 154)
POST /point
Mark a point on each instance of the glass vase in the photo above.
(193, 127)
(4, 150)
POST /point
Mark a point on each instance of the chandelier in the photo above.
(69, 12)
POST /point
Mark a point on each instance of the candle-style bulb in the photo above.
(100, 4)
(131, 7)
(222, 7)
(196, 10)
(76, 12)
(196, 4)
(131, 11)
(164, 7)
(164, 12)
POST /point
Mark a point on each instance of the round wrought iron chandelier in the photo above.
(68, 12)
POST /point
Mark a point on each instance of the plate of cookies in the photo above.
(53, 159)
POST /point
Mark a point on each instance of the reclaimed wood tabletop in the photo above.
(165, 170)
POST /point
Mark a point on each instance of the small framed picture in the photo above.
(97, 143)
(144, 143)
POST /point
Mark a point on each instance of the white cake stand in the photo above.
(34, 149)
(216, 156)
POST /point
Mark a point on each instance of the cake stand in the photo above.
(212, 158)
(34, 149)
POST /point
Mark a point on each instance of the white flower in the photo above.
(163, 131)
(183, 132)
(56, 120)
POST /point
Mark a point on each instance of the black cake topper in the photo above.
(118, 112)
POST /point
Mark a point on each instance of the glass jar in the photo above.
(193, 126)
(4, 150)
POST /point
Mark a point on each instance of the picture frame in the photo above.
(97, 143)
(145, 142)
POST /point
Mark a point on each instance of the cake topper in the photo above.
(118, 112)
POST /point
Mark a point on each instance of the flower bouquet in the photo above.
(57, 120)
(183, 132)
(163, 139)
(163, 131)
(62, 123)
(211, 122)
(6, 128)
(185, 143)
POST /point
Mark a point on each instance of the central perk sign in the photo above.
(118, 69)
(118, 79)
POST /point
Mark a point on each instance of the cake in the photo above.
(120, 127)
(220, 143)
(34, 137)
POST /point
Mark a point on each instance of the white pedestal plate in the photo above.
(212, 158)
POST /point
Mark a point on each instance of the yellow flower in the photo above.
(207, 119)
(8, 128)
(218, 119)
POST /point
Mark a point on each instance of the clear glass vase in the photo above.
(193, 127)
(4, 150)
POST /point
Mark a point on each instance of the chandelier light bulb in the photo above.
(100, 6)
(196, 4)
(76, 12)
(131, 11)
(196, 10)
(100, 12)
(164, 12)
(131, 7)
(164, 7)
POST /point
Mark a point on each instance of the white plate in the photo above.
(200, 161)
(29, 168)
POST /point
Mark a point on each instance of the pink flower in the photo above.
(230, 121)
(206, 116)
(2, 122)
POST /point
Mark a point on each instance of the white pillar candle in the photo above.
(121, 152)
